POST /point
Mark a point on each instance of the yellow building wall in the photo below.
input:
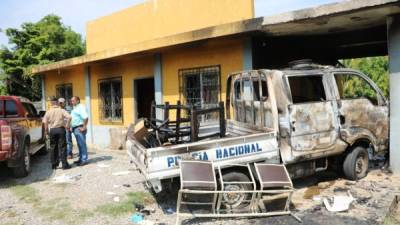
(228, 54)
(129, 70)
(74, 76)
(159, 18)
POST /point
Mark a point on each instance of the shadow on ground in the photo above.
(41, 170)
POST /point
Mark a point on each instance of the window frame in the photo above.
(30, 109)
(181, 75)
(102, 120)
(6, 115)
(381, 100)
(64, 85)
(323, 80)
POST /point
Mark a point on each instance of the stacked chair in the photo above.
(205, 193)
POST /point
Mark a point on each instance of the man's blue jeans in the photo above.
(81, 141)
(68, 138)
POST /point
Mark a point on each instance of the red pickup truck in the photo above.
(21, 133)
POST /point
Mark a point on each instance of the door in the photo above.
(363, 109)
(34, 122)
(311, 114)
(144, 96)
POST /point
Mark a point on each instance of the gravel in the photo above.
(89, 197)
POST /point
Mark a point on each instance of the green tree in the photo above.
(377, 68)
(46, 41)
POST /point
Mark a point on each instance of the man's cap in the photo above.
(61, 100)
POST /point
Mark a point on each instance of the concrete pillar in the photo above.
(248, 54)
(88, 104)
(43, 92)
(393, 26)
(158, 84)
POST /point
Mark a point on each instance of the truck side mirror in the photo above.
(41, 113)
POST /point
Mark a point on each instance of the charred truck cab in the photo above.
(326, 114)
(305, 117)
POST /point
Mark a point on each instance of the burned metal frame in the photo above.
(192, 118)
(253, 211)
(238, 105)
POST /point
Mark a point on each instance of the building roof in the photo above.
(326, 19)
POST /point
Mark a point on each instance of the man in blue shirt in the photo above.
(79, 128)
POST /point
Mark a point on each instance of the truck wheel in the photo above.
(24, 167)
(239, 200)
(355, 164)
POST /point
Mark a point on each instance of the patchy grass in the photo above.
(11, 223)
(60, 209)
(11, 214)
(62, 185)
(390, 220)
(54, 209)
(83, 214)
(26, 193)
(127, 206)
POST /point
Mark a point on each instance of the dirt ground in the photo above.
(107, 190)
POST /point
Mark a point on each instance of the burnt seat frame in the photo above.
(281, 186)
(274, 182)
(197, 180)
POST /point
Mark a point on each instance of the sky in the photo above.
(76, 13)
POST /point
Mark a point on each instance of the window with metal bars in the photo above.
(200, 87)
(65, 91)
(110, 94)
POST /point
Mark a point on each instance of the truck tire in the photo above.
(236, 201)
(355, 165)
(24, 167)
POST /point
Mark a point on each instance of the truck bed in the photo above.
(243, 144)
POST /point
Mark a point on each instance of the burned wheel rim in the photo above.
(233, 200)
(361, 165)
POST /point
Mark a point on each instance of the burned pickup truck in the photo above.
(308, 117)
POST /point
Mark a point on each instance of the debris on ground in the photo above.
(64, 178)
(121, 173)
(170, 211)
(340, 203)
(147, 222)
(138, 206)
(137, 218)
(110, 193)
(116, 199)
(147, 211)
(102, 165)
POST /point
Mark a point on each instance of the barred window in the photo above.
(200, 87)
(110, 94)
(65, 91)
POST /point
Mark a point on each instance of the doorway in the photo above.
(144, 96)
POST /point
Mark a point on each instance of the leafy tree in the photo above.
(377, 68)
(46, 41)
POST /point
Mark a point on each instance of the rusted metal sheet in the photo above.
(362, 119)
(312, 126)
